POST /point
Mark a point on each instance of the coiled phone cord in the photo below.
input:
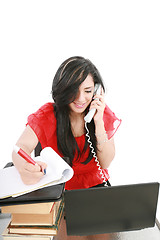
(95, 156)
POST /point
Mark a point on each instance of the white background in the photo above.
(122, 38)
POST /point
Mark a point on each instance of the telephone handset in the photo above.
(88, 119)
(91, 113)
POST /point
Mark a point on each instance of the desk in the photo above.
(145, 234)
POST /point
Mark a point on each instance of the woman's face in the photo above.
(84, 96)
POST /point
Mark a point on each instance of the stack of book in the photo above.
(33, 221)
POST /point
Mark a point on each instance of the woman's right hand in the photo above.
(31, 174)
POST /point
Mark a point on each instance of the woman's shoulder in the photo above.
(43, 123)
(44, 113)
(46, 109)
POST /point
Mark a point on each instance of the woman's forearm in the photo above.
(17, 160)
(30, 174)
(105, 147)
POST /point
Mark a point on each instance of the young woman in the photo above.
(61, 126)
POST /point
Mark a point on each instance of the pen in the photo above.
(24, 155)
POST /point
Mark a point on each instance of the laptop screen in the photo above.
(111, 209)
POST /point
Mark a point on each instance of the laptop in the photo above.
(111, 209)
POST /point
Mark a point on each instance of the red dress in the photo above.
(43, 123)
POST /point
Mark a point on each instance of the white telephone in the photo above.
(91, 113)
(88, 119)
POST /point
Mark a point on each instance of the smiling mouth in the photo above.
(79, 105)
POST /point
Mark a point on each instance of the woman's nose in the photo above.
(80, 97)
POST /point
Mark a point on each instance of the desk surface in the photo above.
(144, 234)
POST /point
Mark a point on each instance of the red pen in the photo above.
(24, 155)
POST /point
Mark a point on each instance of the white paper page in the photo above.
(61, 168)
(57, 171)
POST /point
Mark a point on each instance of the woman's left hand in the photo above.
(99, 104)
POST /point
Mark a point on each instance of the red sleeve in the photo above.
(111, 122)
(43, 123)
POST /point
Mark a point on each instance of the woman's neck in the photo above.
(76, 116)
(77, 124)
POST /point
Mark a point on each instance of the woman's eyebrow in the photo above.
(89, 87)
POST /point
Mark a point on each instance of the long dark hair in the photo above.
(71, 73)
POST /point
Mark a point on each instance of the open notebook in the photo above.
(58, 171)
